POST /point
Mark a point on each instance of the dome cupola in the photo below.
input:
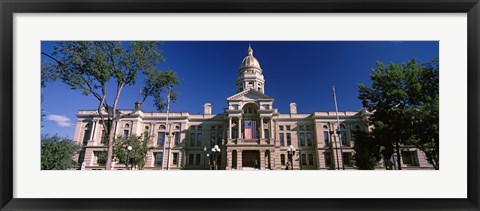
(250, 61)
(250, 74)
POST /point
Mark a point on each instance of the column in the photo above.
(239, 159)
(271, 129)
(272, 159)
(229, 160)
(262, 160)
(229, 127)
(261, 128)
(95, 125)
(240, 128)
(92, 129)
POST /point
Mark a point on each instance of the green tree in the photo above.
(91, 66)
(136, 156)
(404, 102)
(57, 153)
(366, 151)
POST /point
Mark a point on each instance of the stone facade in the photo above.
(263, 145)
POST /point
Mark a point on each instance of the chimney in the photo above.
(293, 108)
(207, 108)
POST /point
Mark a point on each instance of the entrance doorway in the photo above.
(251, 158)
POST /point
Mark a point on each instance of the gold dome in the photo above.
(250, 60)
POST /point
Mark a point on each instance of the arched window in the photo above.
(127, 125)
(342, 127)
(325, 127)
(162, 127)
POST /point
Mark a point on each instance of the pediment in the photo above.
(250, 95)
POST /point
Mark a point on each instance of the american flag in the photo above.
(250, 129)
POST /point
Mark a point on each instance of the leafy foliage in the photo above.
(366, 151)
(90, 65)
(57, 153)
(137, 155)
(404, 101)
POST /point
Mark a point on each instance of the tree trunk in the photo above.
(111, 137)
(399, 163)
(115, 120)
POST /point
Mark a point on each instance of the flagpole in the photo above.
(338, 128)
(167, 132)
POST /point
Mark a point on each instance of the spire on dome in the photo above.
(250, 60)
(250, 50)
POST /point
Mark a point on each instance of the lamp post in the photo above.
(204, 155)
(209, 161)
(291, 153)
(129, 149)
(215, 152)
(382, 149)
(300, 156)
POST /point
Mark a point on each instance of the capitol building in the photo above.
(249, 134)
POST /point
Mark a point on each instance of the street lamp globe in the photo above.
(129, 148)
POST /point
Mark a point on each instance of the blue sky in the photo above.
(295, 71)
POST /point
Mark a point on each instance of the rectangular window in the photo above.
(266, 133)
(199, 139)
(287, 127)
(310, 159)
(125, 133)
(309, 139)
(104, 137)
(219, 127)
(212, 127)
(281, 127)
(158, 158)
(212, 139)
(343, 136)
(191, 157)
(282, 140)
(328, 159)
(86, 137)
(302, 139)
(289, 139)
(192, 128)
(325, 137)
(304, 159)
(235, 133)
(309, 127)
(301, 127)
(81, 157)
(197, 160)
(192, 139)
(175, 159)
(409, 158)
(346, 158)
(177, 138)
(219, 138)
(161, 139)
(199, 128)
(282, 159)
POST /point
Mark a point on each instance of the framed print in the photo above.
(239, 105)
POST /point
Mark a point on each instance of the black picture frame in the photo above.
(10, 7)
